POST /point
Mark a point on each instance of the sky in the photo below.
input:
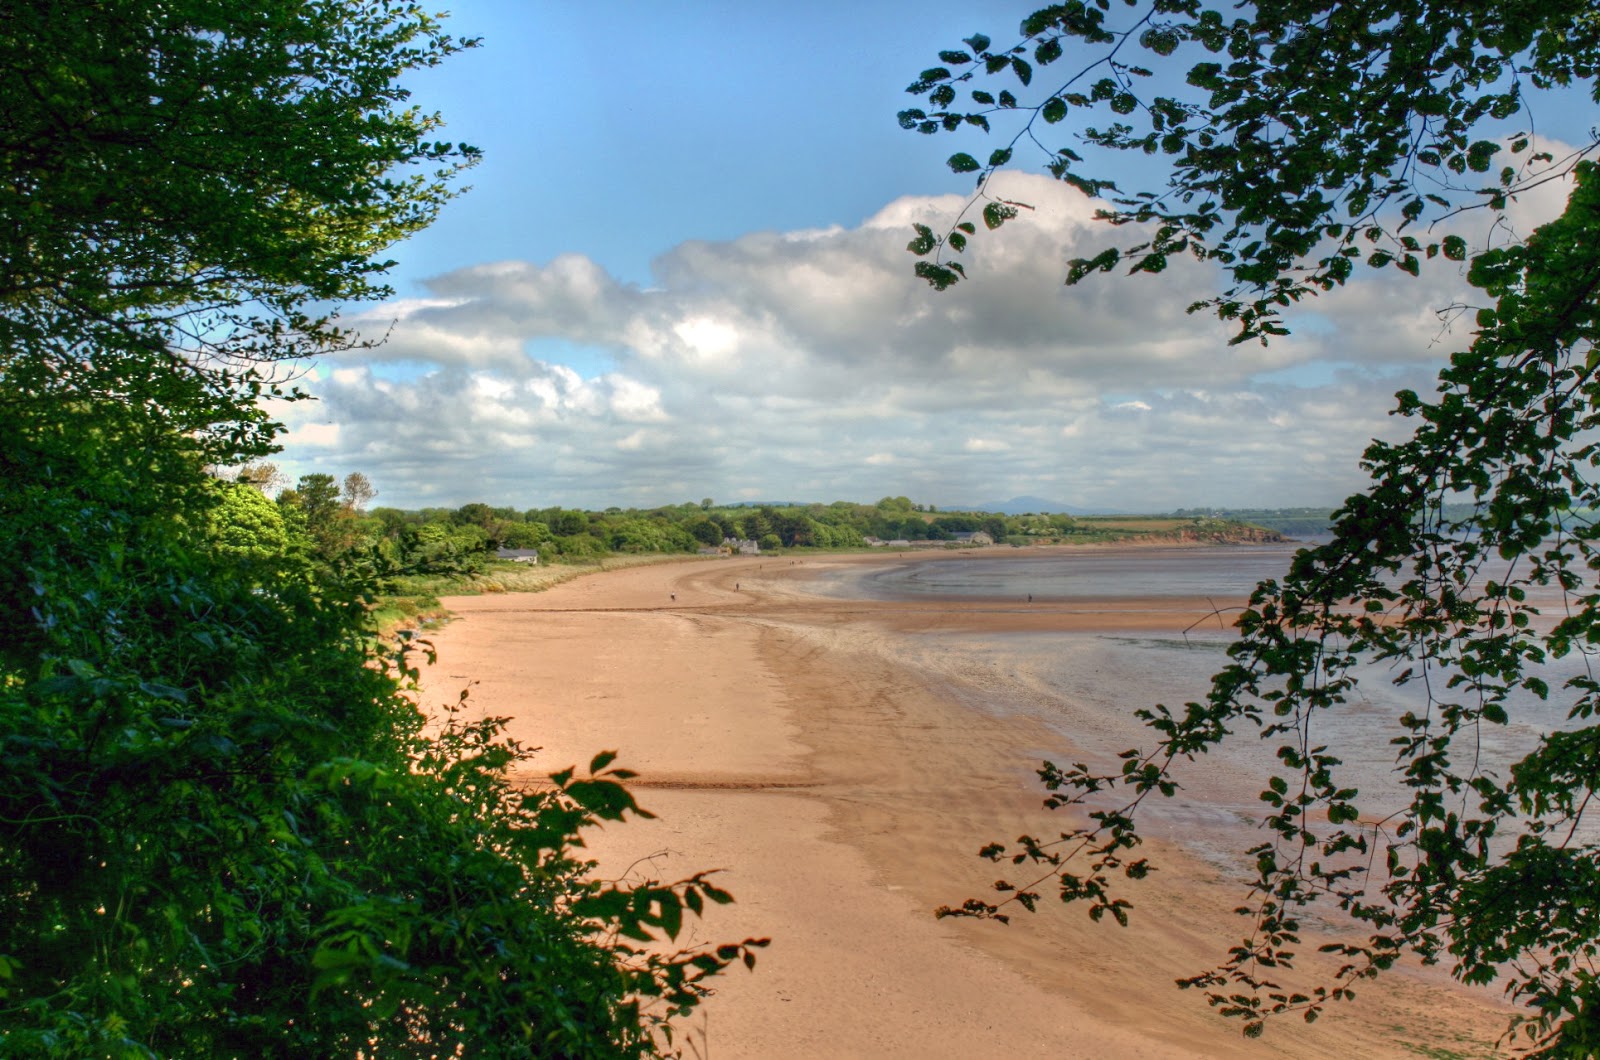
(680, 272)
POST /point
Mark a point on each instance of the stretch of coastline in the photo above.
(785, 737)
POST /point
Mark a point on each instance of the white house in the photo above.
(518, 555)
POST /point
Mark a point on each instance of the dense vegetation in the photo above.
(1288, 148)
(225, 828)
(332, 522)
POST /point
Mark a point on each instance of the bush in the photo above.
(225, 828)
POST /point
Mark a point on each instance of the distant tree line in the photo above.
(1295, 522)
(1304, 522)
(332, 519)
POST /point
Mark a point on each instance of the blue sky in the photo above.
(620, 129)
(680, 273)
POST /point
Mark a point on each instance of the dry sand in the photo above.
(777, 738)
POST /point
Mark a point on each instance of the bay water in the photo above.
(1086, 686)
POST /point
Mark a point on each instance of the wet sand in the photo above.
(779, 737)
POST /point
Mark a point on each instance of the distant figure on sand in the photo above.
(674, 597)
(1030, 598)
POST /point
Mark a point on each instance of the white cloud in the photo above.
(814, 365)
(634, 401)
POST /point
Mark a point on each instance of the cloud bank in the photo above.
(812, 365)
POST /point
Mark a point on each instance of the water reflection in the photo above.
(1086, 686)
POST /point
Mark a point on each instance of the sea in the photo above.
(1086, 686)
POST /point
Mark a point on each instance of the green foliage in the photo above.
(1283, 170)
(642, 535)
(401, 546)
(1314, 140)
(320, 516)
(525, 535)
(247, 525)
(224, 827)
(185, 280)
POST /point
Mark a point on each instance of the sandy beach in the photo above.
(780, 737)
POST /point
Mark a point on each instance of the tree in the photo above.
(248, 525)
(327, 521)
(706, 532)
(475, 514)
(187, 284)
(262, 475)
(357, 492)
(568, 523)
(225, 828)
(525, 535)
(1308, 141)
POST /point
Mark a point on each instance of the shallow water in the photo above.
(1064, 576)
(1086, 686)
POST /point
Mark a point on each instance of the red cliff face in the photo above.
(1236, 534)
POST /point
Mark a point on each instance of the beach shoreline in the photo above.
(781, 736)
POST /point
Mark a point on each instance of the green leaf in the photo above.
(938, 276)
(910, 118)
(1159, 39)
(924, 243)
(961, 162)
(1054, 109)
(996, 214)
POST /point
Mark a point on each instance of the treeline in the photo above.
(334, 519)
(1301, 522)
(1295, 522)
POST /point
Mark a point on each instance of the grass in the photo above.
(400, 612)
(1135, 524)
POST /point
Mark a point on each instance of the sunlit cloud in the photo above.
(814, 366)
